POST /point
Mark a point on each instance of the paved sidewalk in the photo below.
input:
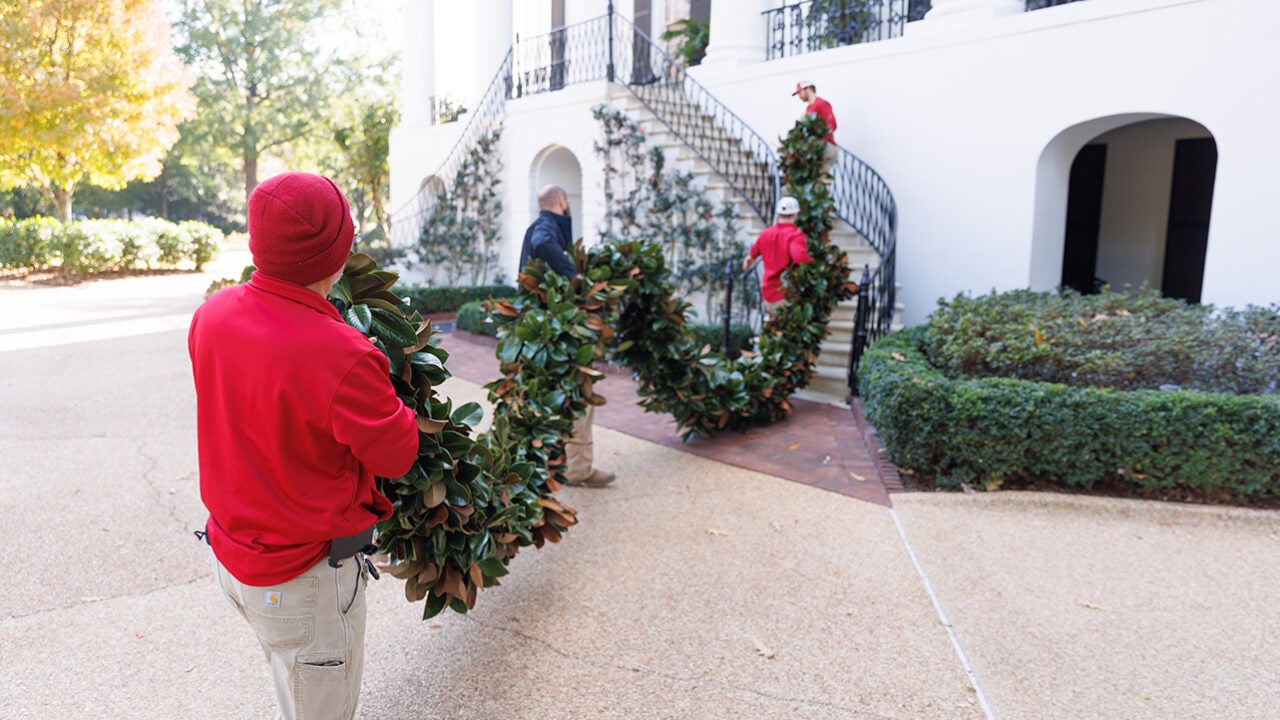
(692, 588)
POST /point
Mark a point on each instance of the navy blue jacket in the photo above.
(548, 239)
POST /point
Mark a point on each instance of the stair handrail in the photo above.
(407, 221)
(664, 72)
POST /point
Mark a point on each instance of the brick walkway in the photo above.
(820, 445)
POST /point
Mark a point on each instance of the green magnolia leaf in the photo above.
(469, 414)
(359, 317)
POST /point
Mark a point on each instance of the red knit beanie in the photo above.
(300, 227)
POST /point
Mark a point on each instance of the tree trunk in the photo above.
(164, 193)
(250, 173)
(62, 199)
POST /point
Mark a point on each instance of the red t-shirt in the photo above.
(781, 245)
(822, 109)
(295, 417)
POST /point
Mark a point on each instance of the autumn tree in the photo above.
(364, 144)
(265, 78)
(90, 90)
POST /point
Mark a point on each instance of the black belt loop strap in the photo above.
(344, 547)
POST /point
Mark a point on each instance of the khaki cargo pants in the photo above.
(312, 632)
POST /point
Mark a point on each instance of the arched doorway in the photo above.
(1125, 201)
(557, 165)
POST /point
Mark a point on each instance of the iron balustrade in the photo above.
(732, 149)
(822, 24)
(485, 117)
(612, 48)
(1041, 4)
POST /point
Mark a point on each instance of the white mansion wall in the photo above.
(962, 121)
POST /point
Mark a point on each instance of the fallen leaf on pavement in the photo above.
(776, 526)
(1091, 606)
(764, 650)
(793, 445)
(857, 477)
(713, 531)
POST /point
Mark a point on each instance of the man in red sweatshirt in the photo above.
(295, 416)
(817, 106)
(780, 245)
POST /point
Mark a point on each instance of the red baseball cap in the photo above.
(802, 85)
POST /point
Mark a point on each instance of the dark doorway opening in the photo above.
(1195, 165)
(1084, 219)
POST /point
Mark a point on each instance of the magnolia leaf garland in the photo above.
(627, 306)
(468, 505)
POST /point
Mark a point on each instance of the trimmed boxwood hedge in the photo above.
(429, 300)
(471, 318)
(990, 430)
(94, 246)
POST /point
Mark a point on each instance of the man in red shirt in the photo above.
(295, 416)
(817, 106)
(780, 245)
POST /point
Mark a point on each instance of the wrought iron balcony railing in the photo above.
(822, 24)
(612, 48)
(1041, 4)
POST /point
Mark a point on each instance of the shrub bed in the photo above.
(1125, 341)
(430, 300)
(987, 431)
(94, 246)
(471, 318)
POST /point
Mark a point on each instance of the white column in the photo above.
(737, 33)
(963, 12)
(418, 73)
(492, 38)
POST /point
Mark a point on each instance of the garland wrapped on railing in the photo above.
(549, 334)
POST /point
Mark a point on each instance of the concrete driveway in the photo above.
(691, 589)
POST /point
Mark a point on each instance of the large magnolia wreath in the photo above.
(470, 504)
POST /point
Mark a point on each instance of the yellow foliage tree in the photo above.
(90, 90)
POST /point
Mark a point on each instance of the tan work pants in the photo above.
(312, 632)
(579, 450)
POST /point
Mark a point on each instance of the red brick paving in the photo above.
(820, 445)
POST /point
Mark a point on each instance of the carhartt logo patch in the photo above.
(271, 598)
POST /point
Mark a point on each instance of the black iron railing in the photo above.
(730, 147)
(406, 222)
(822, 24)
(863, 200)
(1041, 4)
(612, 48)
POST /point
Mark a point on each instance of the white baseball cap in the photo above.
(788, 206)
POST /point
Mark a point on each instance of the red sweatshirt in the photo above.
(822, 109)
(295, 417)
(780, 244)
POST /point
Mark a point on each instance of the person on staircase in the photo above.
(548, 239)
(781, 245)
(817, 106)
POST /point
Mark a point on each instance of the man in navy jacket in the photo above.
(548, 239)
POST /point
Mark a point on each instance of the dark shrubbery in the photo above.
(989, 430)
(429, 300)
(1111, 340)
(740, 336)
(93, 246)
(471, 318)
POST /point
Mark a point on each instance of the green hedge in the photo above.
(740, 336)
(428, 300)
(471, 318)
(93, 246)
(1127, 341)
(986, 431)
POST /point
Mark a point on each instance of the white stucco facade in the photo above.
(973, 118)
